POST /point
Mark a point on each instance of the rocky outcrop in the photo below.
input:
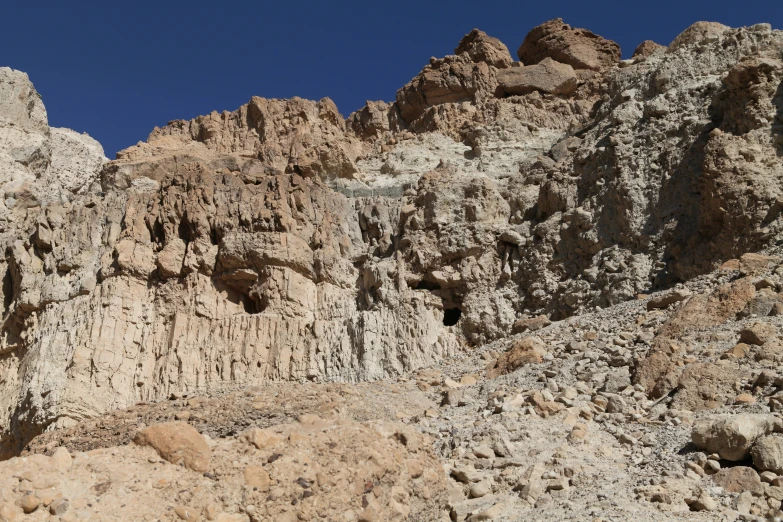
(481, 47)
(548, 76)
(648, 48)
(579, 48)
(282, 242)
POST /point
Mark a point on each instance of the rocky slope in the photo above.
(418, 243)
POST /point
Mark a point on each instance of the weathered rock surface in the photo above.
(177, 442)
(732, 436)
(648, 48)
(627, 213)
(579, 48)
(547, 76)
(767, 454)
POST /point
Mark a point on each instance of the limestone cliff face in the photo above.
(284, 242)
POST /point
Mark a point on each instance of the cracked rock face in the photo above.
(282, 241)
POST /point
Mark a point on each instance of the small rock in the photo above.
(675, 296)
(695, 468)
(744, 398)
(578, 433)
(466, 475)
(468, 379)
(257, 477)
(186, 513)
(480, 489)
(703, 502)
(451, 384)
(493, 513)
(58, 507)
(262, 439)
(484, 452)
(616, 404)
(530, 324)
(712, 467)
(30, 503)
(557, 484)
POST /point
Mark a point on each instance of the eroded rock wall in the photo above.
(283, 242)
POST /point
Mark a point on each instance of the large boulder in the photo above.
(484, 48)
(732, 436)
(177, 442)
(648, 48)
(697, 33)
(547, 76)
(529, 350)
(579, 48)
(767, 454)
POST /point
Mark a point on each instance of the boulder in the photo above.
(697, 33)
(648, 48)
(757, 334)
(732, 436)
(547, 76)
(737, 479)
(177, 442)
(530, 350)
(484, 48)
(530, 323)
(664, 300)
(579, 48)
(767, 454)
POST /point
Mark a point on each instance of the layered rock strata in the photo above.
(284, 242)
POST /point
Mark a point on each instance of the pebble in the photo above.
(58, 507)
(30, 503)
(480, 489)
(712, 466)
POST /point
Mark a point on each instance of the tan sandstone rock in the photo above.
(546, 76)
(732, 436)
(177, 442)
(578, 48)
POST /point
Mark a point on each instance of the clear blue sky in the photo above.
(117, 69)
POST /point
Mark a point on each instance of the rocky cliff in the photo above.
(283, 242)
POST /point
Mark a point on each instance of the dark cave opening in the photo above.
(251, 306)
(451, 316)
(183, 231)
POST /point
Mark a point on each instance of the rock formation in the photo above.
(500, 224)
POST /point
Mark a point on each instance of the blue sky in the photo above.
(117, 69)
